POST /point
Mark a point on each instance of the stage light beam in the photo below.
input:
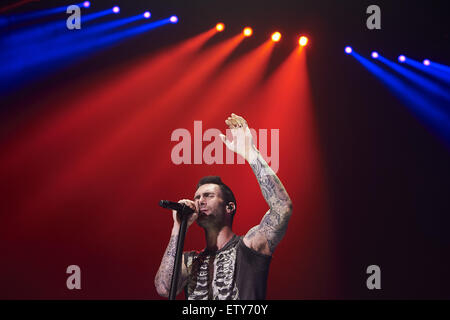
(348, 50)
(173, 19)
(276, 36)
(248, 31)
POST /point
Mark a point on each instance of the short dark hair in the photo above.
(227, 194)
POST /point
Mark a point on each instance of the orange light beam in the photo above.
(230, 86)
(91, 104)
(125, 134)
(285, 102)
(235, 82)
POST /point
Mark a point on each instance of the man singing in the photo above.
(231, 266)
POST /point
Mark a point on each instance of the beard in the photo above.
(211, 220)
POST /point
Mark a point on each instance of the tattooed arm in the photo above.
(164, 275)
(264, 237)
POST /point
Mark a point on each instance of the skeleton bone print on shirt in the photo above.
(212, 275)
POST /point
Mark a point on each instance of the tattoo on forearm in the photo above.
(164, 275)
(171, 247)
(274, 223)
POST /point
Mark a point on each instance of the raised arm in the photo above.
(264, 237)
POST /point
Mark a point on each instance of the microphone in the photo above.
(176, 206)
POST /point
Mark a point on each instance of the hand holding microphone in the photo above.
(190, 209)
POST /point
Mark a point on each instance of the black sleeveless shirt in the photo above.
(235, 272)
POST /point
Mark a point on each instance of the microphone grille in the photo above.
(163, 203)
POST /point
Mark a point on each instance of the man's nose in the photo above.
(202, 200)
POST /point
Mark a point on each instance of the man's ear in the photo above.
(230, 207)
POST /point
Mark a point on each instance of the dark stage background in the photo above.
(370, 183)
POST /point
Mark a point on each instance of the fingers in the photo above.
(188, 203)
(232, 123)
(239, 119)
(235, 121)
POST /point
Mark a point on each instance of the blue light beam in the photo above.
(436, 120)
(38, 65)
(439, 66)
(16, 41)
(417, 79)
(17, 18)
(436, 73)
(55, 46)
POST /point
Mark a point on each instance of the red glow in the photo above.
(124, 138)
(82, 183)
(284, 102)
(72, 130)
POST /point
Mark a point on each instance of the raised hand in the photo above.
(242, 142)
